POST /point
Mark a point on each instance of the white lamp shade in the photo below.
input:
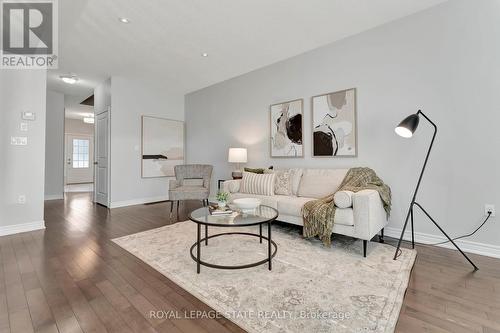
(237, 155)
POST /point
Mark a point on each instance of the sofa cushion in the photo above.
(344, 216)
(266, 200)
(254, 183)
(289, 205)
(318, 183)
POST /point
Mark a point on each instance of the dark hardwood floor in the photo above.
(71, 278)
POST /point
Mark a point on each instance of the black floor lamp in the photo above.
(406, 129)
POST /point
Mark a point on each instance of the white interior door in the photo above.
(79, 159)
(101, 185)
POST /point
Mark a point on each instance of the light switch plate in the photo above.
(23, 127)
(18, 140)
(26, 115)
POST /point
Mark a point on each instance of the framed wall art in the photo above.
(162, 146)
(334, 124)
(286, 129)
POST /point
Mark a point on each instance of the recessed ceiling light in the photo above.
(70, 78)
(124, 20)
(204, 54)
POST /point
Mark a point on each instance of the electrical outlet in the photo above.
(489, 208)
(21, 199)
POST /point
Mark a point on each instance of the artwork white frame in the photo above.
(162, 146)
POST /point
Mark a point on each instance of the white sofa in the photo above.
(363, 220)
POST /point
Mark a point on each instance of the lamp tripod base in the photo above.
(410, 215)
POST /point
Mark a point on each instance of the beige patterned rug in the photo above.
(310, 288)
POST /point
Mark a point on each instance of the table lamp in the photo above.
(237, 155)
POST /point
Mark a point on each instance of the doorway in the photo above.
(78, 156)
(79, 161)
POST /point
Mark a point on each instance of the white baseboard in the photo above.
(23, 227)
(138, 201)
(54, 196)
(466, 245)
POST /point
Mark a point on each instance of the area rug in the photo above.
(311, 288)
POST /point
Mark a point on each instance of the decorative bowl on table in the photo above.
(247, 204)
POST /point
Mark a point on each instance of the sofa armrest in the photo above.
(231, 186)
(173, 184)
(369, 214)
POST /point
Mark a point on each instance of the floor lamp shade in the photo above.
(408, 126)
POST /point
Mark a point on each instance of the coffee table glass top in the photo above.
(259, 215)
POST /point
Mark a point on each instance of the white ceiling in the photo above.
(167, 37)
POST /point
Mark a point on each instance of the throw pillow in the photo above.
(255, 170)
(296, 175)
(253, 183)
(283, 182)
(343, 199)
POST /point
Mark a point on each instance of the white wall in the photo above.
(54, 146)
(131, 98)
(22, 167)
(102, 96)
(445, 60)
(77, 126)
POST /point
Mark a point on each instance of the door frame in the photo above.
(97, 114)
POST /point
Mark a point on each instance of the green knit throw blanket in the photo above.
(319, 214)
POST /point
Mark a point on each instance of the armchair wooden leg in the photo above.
(365, 244)
(171, 207)
(178, 202)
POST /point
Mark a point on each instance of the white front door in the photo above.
(101, 185)
(79, 159)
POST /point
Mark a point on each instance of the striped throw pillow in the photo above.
(253, 183)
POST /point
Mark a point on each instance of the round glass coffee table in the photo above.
(257, 217)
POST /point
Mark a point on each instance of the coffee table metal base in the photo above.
(199, 262)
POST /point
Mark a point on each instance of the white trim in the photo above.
(23, 227)
(466, 245)
(54, 196)
(138, 201)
